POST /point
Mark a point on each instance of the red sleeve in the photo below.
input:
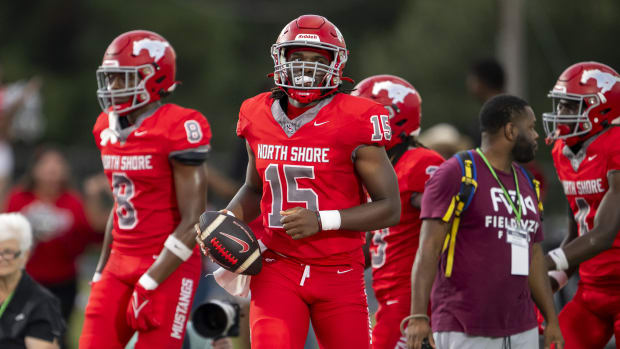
(100, 124)
(190, 136)
(373, 127)
(14, 202)
(421, 171)
(613, 162)
(440, 189)
(242, 123)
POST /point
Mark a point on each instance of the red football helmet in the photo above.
(400, 98)
(595, 88)
(314, 33)
(145, 61)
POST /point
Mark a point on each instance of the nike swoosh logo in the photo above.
(244, 245)
(344, 271)
(590, 158)
(391, 302)
(142, 133)
(320, 123)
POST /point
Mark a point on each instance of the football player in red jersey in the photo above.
(586, 155)
(153, 155)
(393, 249)
(312, 150)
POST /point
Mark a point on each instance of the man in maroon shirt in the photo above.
(488, 274)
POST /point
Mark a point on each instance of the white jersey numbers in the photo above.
(583, 210)
(192, 129)
(381, 127)
(378, 239)
(294, 194)
(124, 190)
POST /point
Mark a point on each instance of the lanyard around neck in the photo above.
(514, 209)
(6, 303)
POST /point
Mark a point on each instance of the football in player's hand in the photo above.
(230, 242)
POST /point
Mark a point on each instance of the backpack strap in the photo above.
(534, 184)
(459, 204)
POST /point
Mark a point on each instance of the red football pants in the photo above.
(386, 333)
(105, 324)
(286, 295)
(590, 319)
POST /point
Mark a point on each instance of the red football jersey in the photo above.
(584, 178)
(309, 162)
(61, 233)
(140, 173)
(393, 249)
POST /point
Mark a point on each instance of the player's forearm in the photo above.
(246, 203)
(191, 189)
(424, 267)
(166, 263)
(423, 274)
(602, 235)
(174, 254)
(107, 243)
(373, 215)
(540, 286)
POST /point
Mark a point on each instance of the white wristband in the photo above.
(177, 247)
(559, 276)
(96, 277)
(558, 256)
(330, 220)
(147, 282)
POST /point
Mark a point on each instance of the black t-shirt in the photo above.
(32, 312)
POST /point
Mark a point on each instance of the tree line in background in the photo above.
(223, 51)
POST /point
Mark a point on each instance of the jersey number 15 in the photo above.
(294, 194)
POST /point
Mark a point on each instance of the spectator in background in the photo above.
(486, 79)
(98, 201)
(485, 279)
(30, 314)
(445, 139)
(13, 99)
(61, 229)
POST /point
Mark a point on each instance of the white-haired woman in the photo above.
(29, 314)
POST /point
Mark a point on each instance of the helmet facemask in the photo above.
(307, 81)
(133, 93)
(571, 127)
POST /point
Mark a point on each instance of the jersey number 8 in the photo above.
(124, 190)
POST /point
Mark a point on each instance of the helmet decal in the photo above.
(604, 81)
(400, 98)
(155, 48)
(396, 92)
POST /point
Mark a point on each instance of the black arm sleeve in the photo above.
(191, 157)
